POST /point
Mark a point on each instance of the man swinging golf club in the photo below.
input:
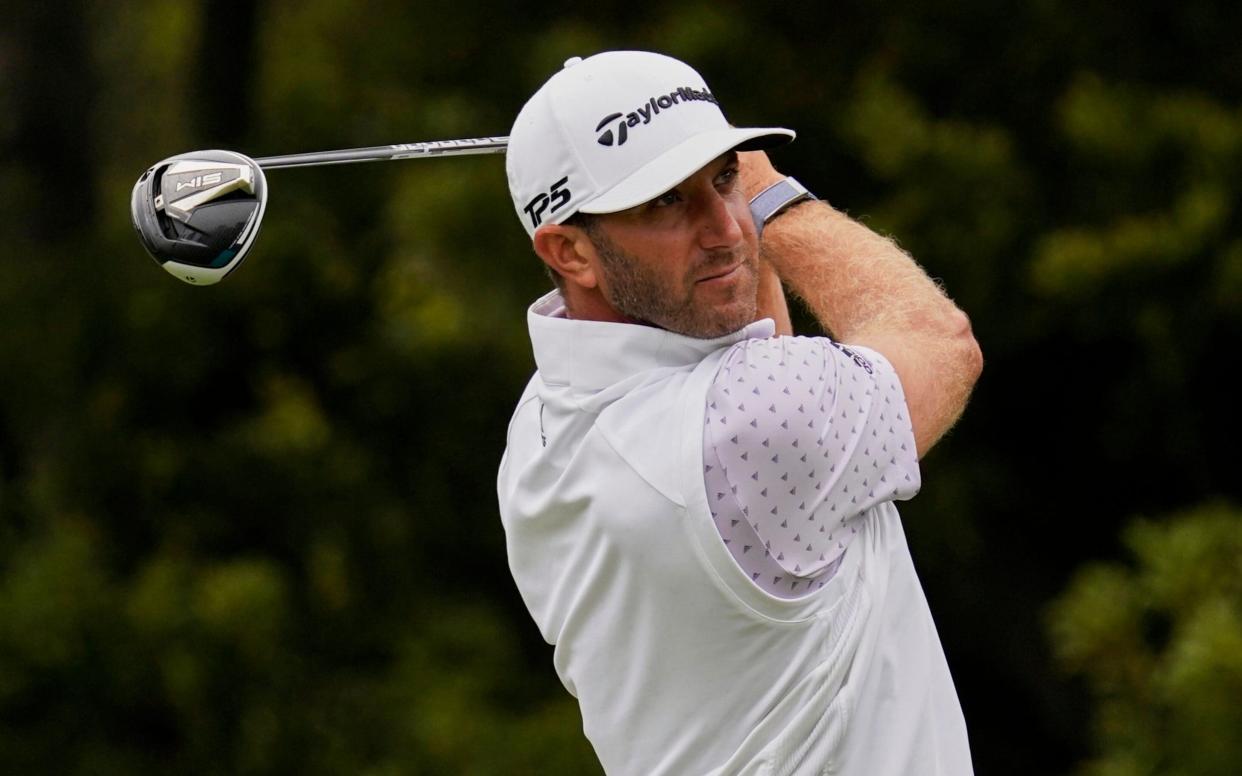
(699, 506)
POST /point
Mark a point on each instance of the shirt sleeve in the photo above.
(808, 435)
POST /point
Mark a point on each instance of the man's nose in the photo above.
(717, 227)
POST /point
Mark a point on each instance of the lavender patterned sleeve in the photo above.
(801, 436)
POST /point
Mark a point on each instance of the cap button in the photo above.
(572, 61)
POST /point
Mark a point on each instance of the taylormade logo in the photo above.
(644, 113)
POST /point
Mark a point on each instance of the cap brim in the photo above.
(680, 162)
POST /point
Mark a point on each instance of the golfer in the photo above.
(699, 506)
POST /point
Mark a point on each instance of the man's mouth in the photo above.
(722, 273)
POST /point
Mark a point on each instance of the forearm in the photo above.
(854, 281)
(865, 290)
(772, 303)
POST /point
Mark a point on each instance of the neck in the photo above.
(590, 305)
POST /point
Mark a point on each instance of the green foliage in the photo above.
(957, 186)
(1159, 642)
(1187, 142)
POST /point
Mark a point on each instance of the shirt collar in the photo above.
(596, 354)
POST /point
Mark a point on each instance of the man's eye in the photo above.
(664, 200)
(726, 177)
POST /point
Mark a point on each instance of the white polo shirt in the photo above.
(682, 660)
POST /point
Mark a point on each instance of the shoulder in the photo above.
(644, 426)
(798, 367)
(812, 404)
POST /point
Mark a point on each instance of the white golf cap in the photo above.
(616, 130)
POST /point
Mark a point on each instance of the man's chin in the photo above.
(722, 322)
(727, 318)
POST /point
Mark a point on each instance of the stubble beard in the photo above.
(641, 295)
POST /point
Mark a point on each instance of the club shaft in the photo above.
(465, 147)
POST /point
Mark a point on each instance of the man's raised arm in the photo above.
(864, 290)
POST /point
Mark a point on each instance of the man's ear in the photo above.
(568, 251)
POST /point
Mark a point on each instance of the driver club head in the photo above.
(198, 213)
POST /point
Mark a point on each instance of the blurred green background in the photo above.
(252, 529)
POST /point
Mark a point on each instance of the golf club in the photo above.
(198, 214)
